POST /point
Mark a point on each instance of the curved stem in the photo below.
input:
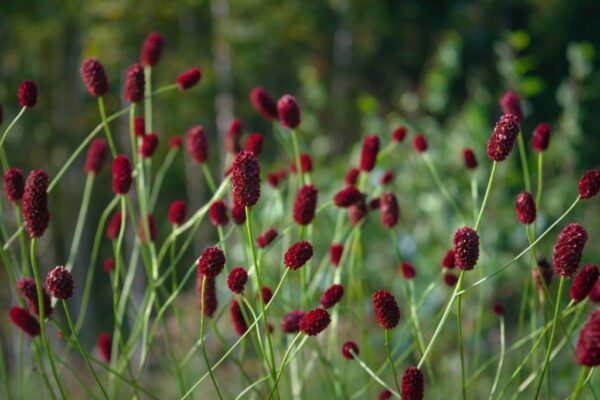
(208, 177)
(9, 127)
(109, 138)
(487, 193)
(85, 201)
(386, 337)
(438, 182)
(204, 353)
(373, 374)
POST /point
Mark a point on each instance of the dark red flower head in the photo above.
(121, 175)
(266, 293)
(385, 394)
(368, 154)
(525, 207)
(94, 77)
(254, 144)
(511, 104)
(568, 250)
(217, 213)
(499, 309)
(450, 279)
(288, 111)
(335, 253)
(357, 211)
(503, 138)
(263, 103)
(305, 204)
(298, 254)
(151, 229)
(177, 212)
(208, 303)
(139, 126)
(290, 322)
(399, 134)
(27, 94)
(14, 184)
(246, 179)
(386, 309)
(412, 384)
(104, 344)
(197, 144)
(332, 296)
(351, 176)
(233, 137)
(236, 280)
(314, 322)
(175, 143)
(448, 260)
(237, 318)
(27, 288)
(114, 226)
(387, 177)
(24, 321)
(408, 271)
(35, 203)
(584, 282)
(466, 248)
(390, 211)
(96, 156)
(59, 282)
(152, 49)
(588, 345)
(266, 238)
(541, 137)
(420, 143)
(306, 164)
(135, 84)
(276, 177)
(238, 214)
(211, 262)
(589, 184)
(108, 265)
(469, 157)
(347, 196)
(595, 293)
(188, 79)
(349, 350)
(149, 145)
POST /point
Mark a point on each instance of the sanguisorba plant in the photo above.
(284, 289)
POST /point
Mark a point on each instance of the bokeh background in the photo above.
(356, 67)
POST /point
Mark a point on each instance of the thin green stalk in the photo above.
(4, 375)
(208, 177)
(474, 196)
(373, 374)
(204, 352)
(85, 201)
(487, 194)
(438, 182)
(538, 193)
(386, 337)
(460, 338)
(42, 371)
(159, 178)
(9, 127)
(502, 351)
(284, 360)
(580, 382)
(148, 97)
(524, 164)
(22, 243)
(297, 158)
(109, 138)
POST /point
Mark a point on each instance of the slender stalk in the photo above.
(109, 138)
(9, 127)
(502, 351)
(208, 177)
(474, 196)
(297, 158)
(460, 338)
(373, 374)
(438, 182)
(158, 179)
(486, 195)
(386, 337)
(204, 352)
(42, 371)
(538, 193)
(284, 361)
(148, 97)
(85, 201)
(580, 382)
(524, 164)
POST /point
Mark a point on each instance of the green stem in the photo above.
(386, 337)
(208, 177)
(109, 138)
(580, 382)
(373, 374)
(204, 352)
(524, 164)
(9, 127)
(460, 338)
(487, 194)
(440, 185)
(297, 158)
(85, 201)
(502, 351)
(284, 360)
(160, 175)
(148, 97)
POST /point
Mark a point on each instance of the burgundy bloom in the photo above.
(368, 154)
(450, 279)
(197, 144)
(541, 137)
(289, 323)
(466, 248)
(349, 350)
(469, 157)
(588, 345)
(135, 84)
(266, 293)
(420, 143)
(543, 271)
(314, 322)
(511, 104)
(238, 214)
(151, 229)
(96, 156)
(386, 309)
(236, 280)
(525, 207)
(503, 138)
(94, 77)
(584, 282)
(35, 203)
(332, 296)
(121, 171)
(208, 303)
(288, 111)
(385, 394)
(351, 176)
(375, 204)
(263, 103)
(177, 212)
(237, 317)
(347, 196)
(306, 165)
(246, 179)
(104, 344)
(408, 271)
(589, 184)
(211, 262)
(24, 321)
(14, 184)
(357, 211)
(27, 94)
(387, 177)
(595, 293)
(448, 260)
(114, 226)
(175, 143)
(335, 253)
(390, 211)
(266, 238)
(568, 250)
(149, 145)
(27, 288)
(139, 126)
(59, 282)
(305, 204)
(298, 254)
(217, 213)
(233, 137)
(412, 384)
(499, 309)
(108, 265)
(254, 144)
(276, 177)
(188, 79)
(399, 134)
(152, 49)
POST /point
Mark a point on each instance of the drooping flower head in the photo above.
(236, 280)
(390, 210)
(14, 184)
(24, 321)
(469, 158)
(211, 262)
(412, 385)
(94, 77)
(584, 282)
(525, 207)
(589, 184)
(246, 179)
(197, 144)
(59, 282)
(35, 203)
(149, 145)
(96, 156)
(503, 138)
(568, 250)
(588, 345)
(386, 309)
(177, 212)
(188, 79)
(290, 322)
(27, 94)
(466, 248)
(332, 296)
(217, 213)
(314, 322)
(541, 137)
(288, 111)
(368, 154)
(152, 49)
(305, 204)
(135, 84)
(298, 255)
(121, 171)
(349, 350)
(263, 103)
